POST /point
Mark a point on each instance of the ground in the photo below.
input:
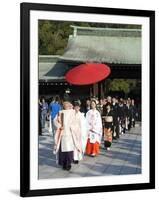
(123, 158)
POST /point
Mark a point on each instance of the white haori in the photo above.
(79, 132)
(67, 139)
(65, 136)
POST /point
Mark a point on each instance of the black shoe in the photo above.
(68, 167)
(75, 161)
(64, 167)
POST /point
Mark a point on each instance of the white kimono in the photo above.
(79, 131)
(94, 126)
(84, 132)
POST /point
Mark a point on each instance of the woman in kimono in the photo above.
(65, 140)
(108, 125)
(79, 130)
(94, 125)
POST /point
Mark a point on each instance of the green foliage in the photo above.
(53, 35)
(125, 85)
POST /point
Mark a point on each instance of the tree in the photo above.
(125, 85)
(53, 35)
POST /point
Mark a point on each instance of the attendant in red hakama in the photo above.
(94, 125)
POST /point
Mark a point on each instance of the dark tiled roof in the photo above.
(118, 46)
(52, 70)
(114, 46)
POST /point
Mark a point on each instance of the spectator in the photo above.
(39, 116)
(130, 112)
(121, 113)
(108, 125)
(44, 110)
(54, 109)
(87, 106)
(115, 108)
(100, 106)
(134, 111)
(109, 99)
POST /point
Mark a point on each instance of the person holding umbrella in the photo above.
(94, 129)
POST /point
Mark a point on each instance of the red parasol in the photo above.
(87, 73)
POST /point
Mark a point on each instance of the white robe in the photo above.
(94, 126)
(79, 131)
(64, 137)
(84, 132)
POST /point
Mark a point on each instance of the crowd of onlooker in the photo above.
(125, 111)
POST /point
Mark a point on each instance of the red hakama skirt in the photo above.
(92, 148)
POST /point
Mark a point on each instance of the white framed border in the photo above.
(36, 183)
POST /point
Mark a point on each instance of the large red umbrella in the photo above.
(87, 73)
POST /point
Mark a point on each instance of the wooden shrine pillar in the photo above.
(99, 90)
(95, 89)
